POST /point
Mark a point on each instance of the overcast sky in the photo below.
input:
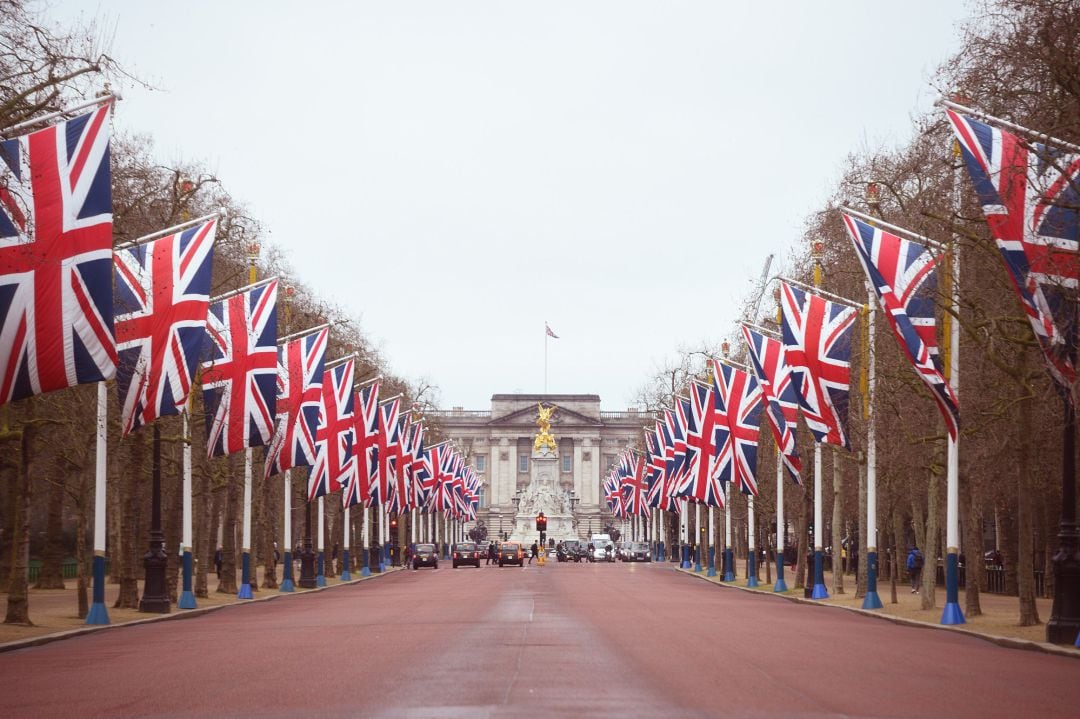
(456, 173)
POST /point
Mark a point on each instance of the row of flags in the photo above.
(74, 311)
(1030, 194)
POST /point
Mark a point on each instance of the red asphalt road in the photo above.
(567, 640)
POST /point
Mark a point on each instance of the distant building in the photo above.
(499, 443)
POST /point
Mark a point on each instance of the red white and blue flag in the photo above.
(419, 482)
(335, 438)
(161, 299)
(239, 374)
(817, 348)
(703, 436)
(654, 466)
(366, 414)
(299, 402)
(56, 300)
(738, 399)
(613, 495)
(634, 487)
(1030, 194)
(903, 275)
(781, 401)
(400, 463)
(442, 464)
(385, 443)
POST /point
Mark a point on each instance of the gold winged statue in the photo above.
(543, 421)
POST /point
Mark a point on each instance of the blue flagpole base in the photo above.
(287, 585)
(187, 597)
(752, 581)
(820, 592)
(320, 580)
(729, 568)
(751, 569)
(663, 553)
(98, 614)
(287, 582)
(365, 572)
(697, 566)
(780, 586)
(952, 614)
(1078, 640)
(245, 577)
(872, 601)
(346, 560)
(382, 566)
(712, 562)
(346, 576)
(685, 564)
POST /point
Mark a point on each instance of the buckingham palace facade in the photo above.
(499, 443)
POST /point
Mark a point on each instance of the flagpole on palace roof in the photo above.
(171, 230)
(112, 97)
(1034, 134)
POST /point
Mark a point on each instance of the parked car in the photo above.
(636, 552)
(465, 553)
(425, 555)
(511, 553)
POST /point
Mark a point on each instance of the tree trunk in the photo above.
(837, 525)
(894, 563)
(18, 600)
(203, 549)
(129, 570)
(172, 501)
(802, 566)
(269, 525)
(973, 556)
(51, 575)
(82, 559)
(1025, 562)
(928, 596)
(227, 580)
(1009, 544)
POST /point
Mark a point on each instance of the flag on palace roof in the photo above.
(1030, 194)
(903, 274)
(335, 438)
(781, 401)
(239, 374)
(299, 402)
(548, 330)
(56, 313)
(161, 299)
(817, 348)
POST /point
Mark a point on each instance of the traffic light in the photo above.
(541, 522)
(393, 525)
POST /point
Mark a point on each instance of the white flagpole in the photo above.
(245, 545)
(187, 596)
(365, 554)
(412, 524)
(871, 600)
(781, 585)
(751, 555)
(697, 539)
(382, 539)
(712, 542)
(346, 575)
(287, 584)
(819, 591)
(98, 613)
(952, 613)
(320, 576)
(545, 356)
(660, 536)
(729, 555)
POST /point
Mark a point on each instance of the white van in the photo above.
(603, 549)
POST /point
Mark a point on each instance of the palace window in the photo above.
(609, 460)
(523, 463)
(568, 463)
(481, 462)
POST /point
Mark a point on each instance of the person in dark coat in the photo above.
(218, 559)
(533, 551)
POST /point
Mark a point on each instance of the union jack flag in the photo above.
(817, 348)
(460, 501)
(613, 495)
(385, 441)
(400, 463)
(299, 402)
(440, 464)
(654, 465)
(1030, 195)
(419, 480)
(634, 487)
(335, 439)
(665, 495)
(240, 373)
(738, 397)
(160, 300)
(472, 494)
(681, 454)
(781, 401)
(56, 303)
(367, 460)
(903, 276)
(707, 421)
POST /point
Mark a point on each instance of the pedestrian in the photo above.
(277, 555)
(490, 552)
(915, 566)
(333, 559)
(532, 551)
(218, 559)
(409, 555)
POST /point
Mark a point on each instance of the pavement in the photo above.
(576, 640)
